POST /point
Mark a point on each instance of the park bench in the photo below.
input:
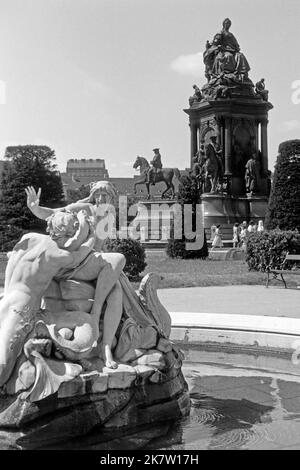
(280, 272)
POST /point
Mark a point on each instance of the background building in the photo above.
(83, 171)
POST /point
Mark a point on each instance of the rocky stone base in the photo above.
(132, 395)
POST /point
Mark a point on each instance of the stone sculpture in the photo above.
(251, 175)
(260, 89)
(226, 67)
(198, 170)
(197, 96)
(210, 160)
(72, 327)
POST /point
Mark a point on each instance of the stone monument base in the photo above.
(258, 206)
(154, 219)
(226, 210)
(152, 389)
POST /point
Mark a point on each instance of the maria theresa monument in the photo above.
(228, 120)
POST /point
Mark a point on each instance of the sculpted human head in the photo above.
(62, 225)
(103, 192)
(226, 24)
(69, 229)
(217, 39)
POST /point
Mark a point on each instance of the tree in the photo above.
(28, 165)
(283, 210)
(75, 194)
(188, 194)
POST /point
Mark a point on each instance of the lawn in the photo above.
(197, 272)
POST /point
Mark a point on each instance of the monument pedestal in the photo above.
(154, 220)
(258, 206)
(226, 210)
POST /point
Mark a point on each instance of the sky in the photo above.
(110, 78)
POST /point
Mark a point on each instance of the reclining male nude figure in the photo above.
(33, 264)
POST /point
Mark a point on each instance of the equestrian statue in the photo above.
(155, 173)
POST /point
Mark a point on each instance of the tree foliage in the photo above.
(188, 193)
(28, 165)
(75, 194)
(133, 251)
(284, 204)
(268, 249)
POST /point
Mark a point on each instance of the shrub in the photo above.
(284, 204)
(268, 249)
(176, 249)
(188, 194)
(9, 236)
(133, 251)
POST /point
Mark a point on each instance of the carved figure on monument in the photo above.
(251, 175)
(260, 89)
(219, 154)
(226, 67)
(197, 96)
(198, 168)
(211, 162)
(158, 173)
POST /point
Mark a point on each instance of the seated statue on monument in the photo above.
(226, 67)
(197, 96)
(260, 89)
(68, 311)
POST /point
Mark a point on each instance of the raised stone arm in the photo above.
(33, 200)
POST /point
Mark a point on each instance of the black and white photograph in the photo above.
(149, 228)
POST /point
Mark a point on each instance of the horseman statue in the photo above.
(155, 174)
(155, 168)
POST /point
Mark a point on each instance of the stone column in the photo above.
(228, 147)
(219, 131)
(264, 144)
(194, 143)
(256, 124)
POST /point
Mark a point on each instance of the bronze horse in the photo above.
(212, 169)
(165, 174)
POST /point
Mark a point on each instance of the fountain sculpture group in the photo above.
(79, 347)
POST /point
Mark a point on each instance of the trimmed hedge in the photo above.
(133, 251)
(268, 249)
